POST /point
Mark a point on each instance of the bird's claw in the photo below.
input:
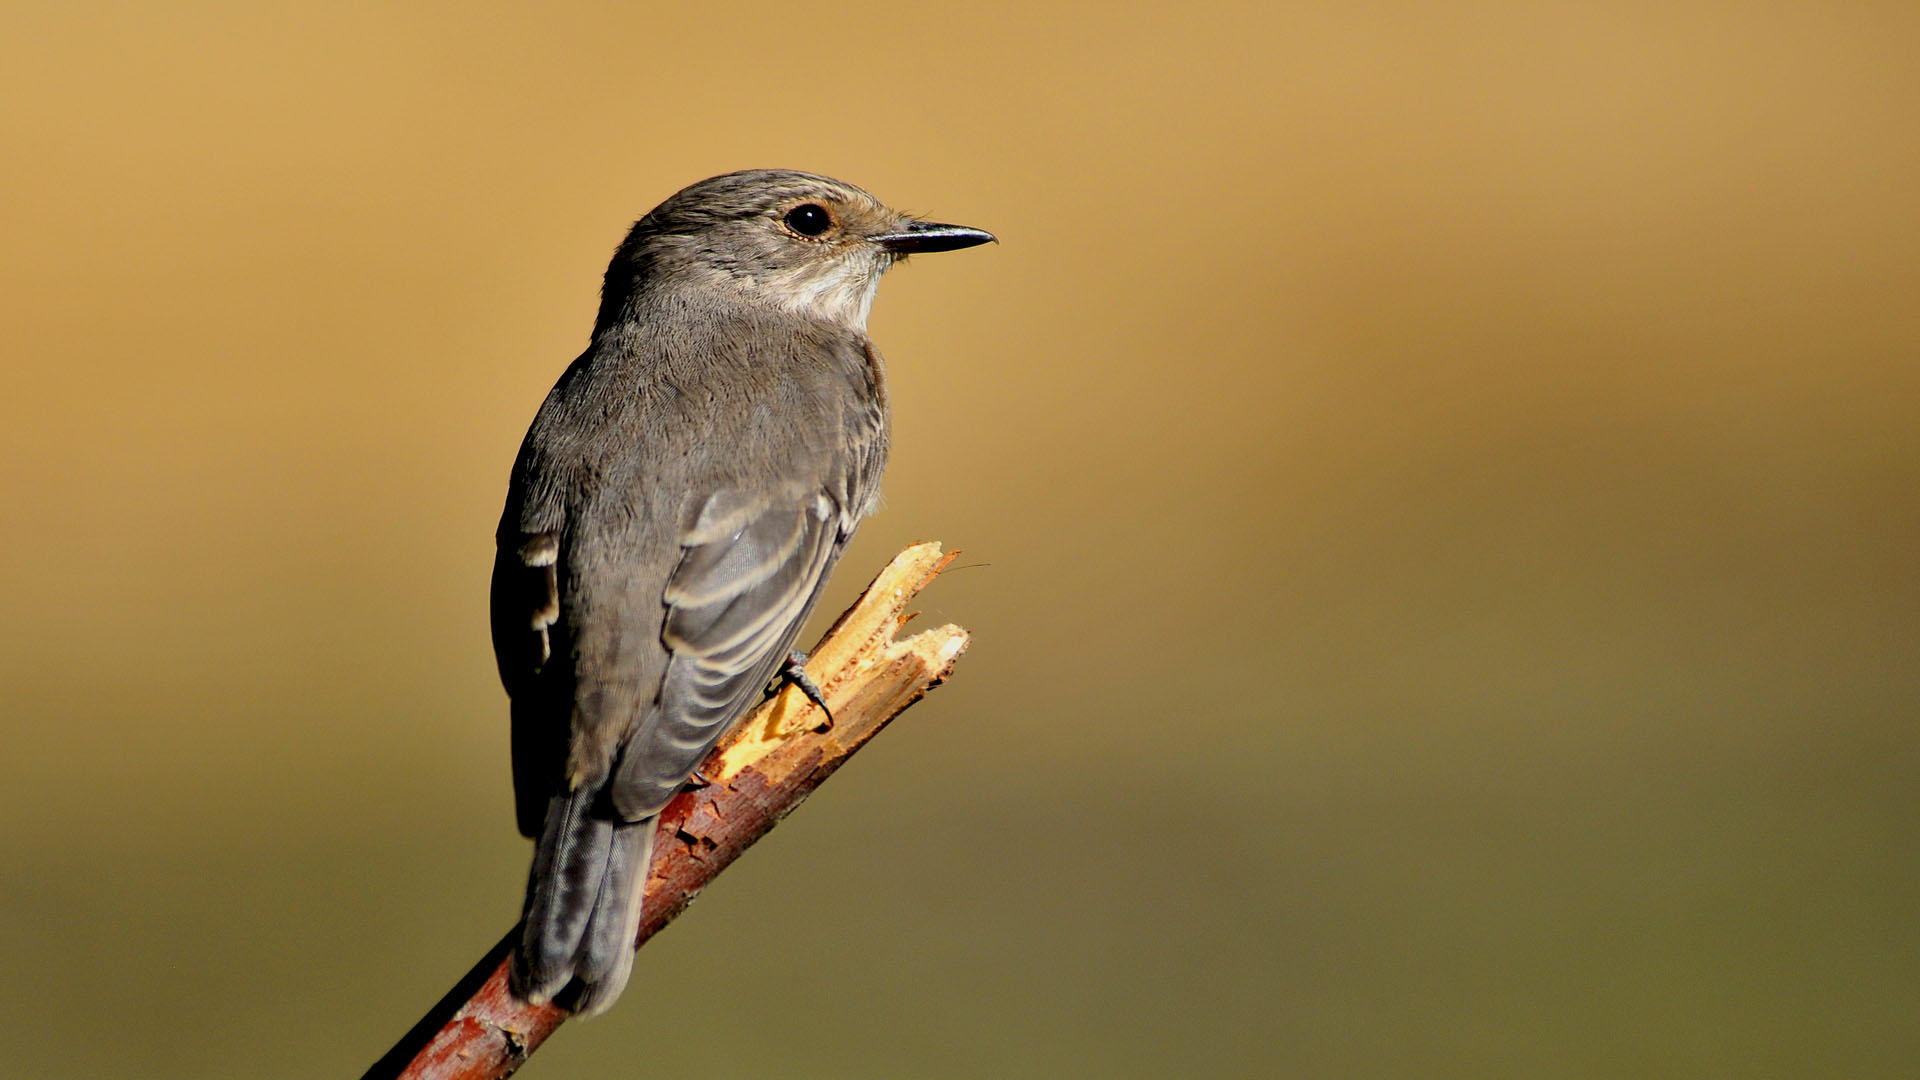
(795, 672)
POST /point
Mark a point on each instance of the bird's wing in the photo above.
(528, 632)
(526, 604)
(750, 571)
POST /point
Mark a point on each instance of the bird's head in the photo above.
(793, 240)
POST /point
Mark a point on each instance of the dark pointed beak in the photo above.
(917, 236)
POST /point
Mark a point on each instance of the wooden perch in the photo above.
(757, 774)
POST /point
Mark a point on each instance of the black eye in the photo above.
(809, 219)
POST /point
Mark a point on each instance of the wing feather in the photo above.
(735, 604)
(526, 618)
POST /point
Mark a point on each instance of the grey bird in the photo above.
(674, 511)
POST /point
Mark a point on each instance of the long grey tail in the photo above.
(583, 907)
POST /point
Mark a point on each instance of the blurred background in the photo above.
(1437, 484)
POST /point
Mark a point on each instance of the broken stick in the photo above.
(759, 772)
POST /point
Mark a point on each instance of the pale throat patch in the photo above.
(842, 293)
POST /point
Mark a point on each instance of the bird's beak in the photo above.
(916, 236)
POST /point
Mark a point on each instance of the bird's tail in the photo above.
(583, 907)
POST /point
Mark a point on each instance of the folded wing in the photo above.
(749, 575)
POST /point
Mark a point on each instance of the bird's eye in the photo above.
(809, 219)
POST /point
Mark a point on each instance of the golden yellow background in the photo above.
(1440, 485)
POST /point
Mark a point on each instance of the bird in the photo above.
(672, 515)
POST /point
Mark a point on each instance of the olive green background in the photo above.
(1439, 484)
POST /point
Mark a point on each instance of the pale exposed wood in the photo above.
(758, 773)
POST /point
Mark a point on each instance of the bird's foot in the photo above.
(795, 672)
